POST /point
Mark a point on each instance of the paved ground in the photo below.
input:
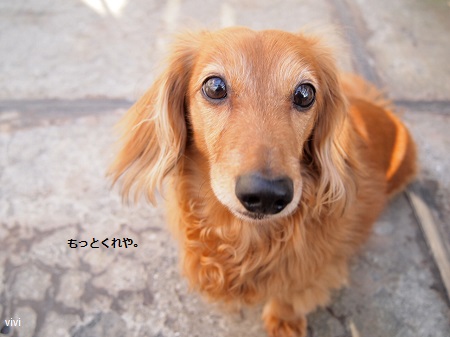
(70, 69)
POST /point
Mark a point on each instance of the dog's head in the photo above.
(265, 111)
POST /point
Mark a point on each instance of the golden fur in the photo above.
(346, 156)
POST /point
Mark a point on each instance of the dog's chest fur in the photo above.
(231, 260)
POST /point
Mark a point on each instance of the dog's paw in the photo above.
(277, 327)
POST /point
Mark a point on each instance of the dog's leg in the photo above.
(281, 320)
(287, 317)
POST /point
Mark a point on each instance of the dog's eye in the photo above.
(214, 88)
(304, 96)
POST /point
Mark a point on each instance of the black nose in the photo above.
(264, 196)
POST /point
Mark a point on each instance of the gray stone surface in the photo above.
(138, 291)
(92, 48)
(28, 319)
(392, 273)
(431, 133)
(56, 141)
(409, 46)
(30, 283)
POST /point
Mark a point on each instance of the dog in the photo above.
(275, 166)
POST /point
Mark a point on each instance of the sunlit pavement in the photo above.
(70, 69)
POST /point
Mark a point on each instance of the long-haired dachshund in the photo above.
(277, 166)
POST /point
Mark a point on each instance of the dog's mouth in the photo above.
(261, 218)
(254, 216)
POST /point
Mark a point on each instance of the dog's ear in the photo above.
(154, 129)
(327, 150)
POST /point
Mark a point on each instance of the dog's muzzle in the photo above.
(261, 195)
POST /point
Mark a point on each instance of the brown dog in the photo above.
(278, 166)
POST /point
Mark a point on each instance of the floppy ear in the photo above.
(327, 150)
(154, 128)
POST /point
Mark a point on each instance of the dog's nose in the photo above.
(264, 196)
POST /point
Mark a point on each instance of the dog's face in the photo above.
(261, 108)
(252, 106)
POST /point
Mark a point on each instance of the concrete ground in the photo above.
(69, 70)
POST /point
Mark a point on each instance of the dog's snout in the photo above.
(262, 195)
